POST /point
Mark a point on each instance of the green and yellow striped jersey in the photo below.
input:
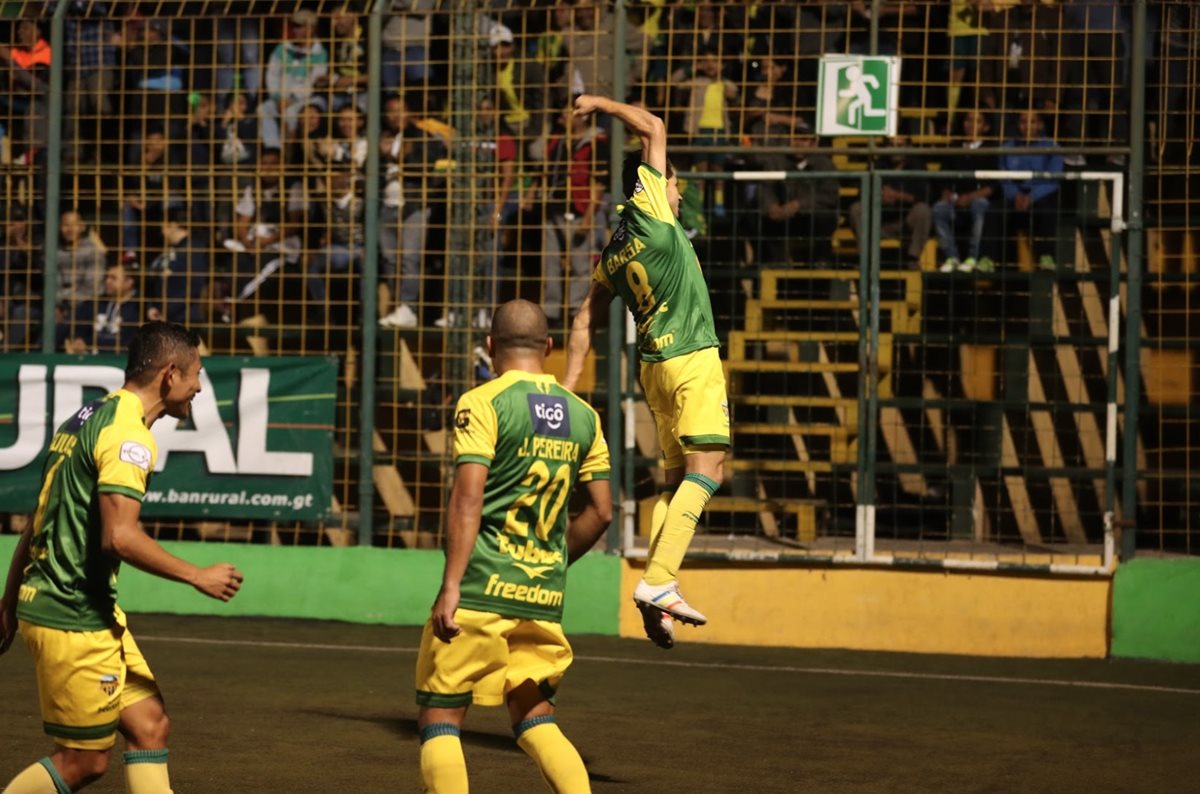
(70, 583)
(651, 264)
(537, 440)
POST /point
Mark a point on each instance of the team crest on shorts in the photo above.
(108, 684)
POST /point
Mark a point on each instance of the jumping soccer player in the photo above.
(651, 265)
(62, 584)
(521, 442)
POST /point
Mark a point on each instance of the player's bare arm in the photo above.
(466, 509)
(641, 122)
(121, 537)
(592, 315)
(8, 603)
(587, 527)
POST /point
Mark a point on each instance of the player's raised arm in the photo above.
(121, 537)
(592, 314)
(465, 513)
(641, 122)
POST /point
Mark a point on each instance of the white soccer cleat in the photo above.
(667, 598)
(659, 626)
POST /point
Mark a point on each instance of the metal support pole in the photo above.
(1133, 296)
(369, 285)
(619, 444)
(53, 177)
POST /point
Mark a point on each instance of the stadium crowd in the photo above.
(214, 153)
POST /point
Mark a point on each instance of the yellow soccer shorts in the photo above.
(686, 395)
(490, 658)
(85, 679)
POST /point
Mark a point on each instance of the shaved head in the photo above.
(519, 325)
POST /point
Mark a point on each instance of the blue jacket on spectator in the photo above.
(1050, 162)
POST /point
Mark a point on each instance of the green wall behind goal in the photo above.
(1156, 610)
(358, 585)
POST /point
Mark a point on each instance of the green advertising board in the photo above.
(258, 443)
(858, 95)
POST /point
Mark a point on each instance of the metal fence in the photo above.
(376, 211)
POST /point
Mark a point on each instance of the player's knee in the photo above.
(78, 768)
(150, 731)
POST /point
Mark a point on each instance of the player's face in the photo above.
(673, 195)
(182, 384)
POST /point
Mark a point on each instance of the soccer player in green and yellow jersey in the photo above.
(651, 265)
(521, 443)
(62, 584)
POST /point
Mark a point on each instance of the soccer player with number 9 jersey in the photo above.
(651, 265)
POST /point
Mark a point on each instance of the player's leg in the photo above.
(143, 723)
(449, 677)
(695, 384)
(443, 765)
(66, 769)
(78, 677)
(537, 733)
(539, 656)
(658, 625)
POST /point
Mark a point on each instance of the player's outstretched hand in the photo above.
(442, 615)
(8, 624)
(586, 105)
(220, 581)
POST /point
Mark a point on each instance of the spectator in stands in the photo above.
(154, 79)
(774, 102)
(24, 88)
(293, 72)
(796, 211)
(966, 196)
(90, 68)
(550, 51)
(303, 150)
(410, 157)
(1032, 204)
(348, 149)
(81, 264)
(571, 196)
(346, 81)
(707, 120)
(341, 244)
(108, 325)
(239, 34)
(906, 211)
(521, 84)
(500, 204)
(1099, 98)
(968, 42)
(150, 187)
(406, 44)
(176, 280)
(268, 220)
(20, 281)
(238, 154)
(590, 46)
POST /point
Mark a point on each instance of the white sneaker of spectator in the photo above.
(450, 319)
(400, 317)
(483, 320)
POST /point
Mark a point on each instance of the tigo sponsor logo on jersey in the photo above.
(549, 415)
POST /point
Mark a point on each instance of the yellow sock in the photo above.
(146, 772)
(658, 518)
(554, 754)
(683, 513)
(443, 767)
(39, 778)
